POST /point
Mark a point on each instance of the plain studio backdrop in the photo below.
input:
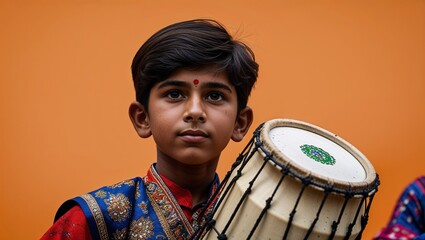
(355, 68)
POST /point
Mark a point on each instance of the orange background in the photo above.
(356, 68)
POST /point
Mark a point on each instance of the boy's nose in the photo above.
(194, 110)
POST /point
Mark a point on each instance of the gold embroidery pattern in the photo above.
(158, 210)
(171, 209)
(138, 190)
(120, 234)
(141, 229)
(144, 207)
(170, 215)
(97, 215)
(118, 207)
(100, 194)
(129, 182)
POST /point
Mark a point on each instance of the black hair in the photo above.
(193, 44)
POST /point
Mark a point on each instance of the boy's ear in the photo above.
(140, 119)
(243, 122)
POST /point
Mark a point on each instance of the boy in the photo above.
(192, 83)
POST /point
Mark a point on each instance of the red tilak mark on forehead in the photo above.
(196, 82)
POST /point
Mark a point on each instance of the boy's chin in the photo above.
(198, 161)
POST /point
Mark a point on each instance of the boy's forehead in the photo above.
(198, 76)
(203, 83)
(206, 70)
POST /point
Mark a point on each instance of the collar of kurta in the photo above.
(173, 204)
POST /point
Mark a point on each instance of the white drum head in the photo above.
(317, 154)
(309, 150)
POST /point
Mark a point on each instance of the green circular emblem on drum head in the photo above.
(317, 154)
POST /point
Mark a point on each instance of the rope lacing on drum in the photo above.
(327, 190)
(267, 206)
(210, 225)
(335, 224)
(365, 217)
(244, 196)
(245, 157)
(351, 225)
(294, 210)
(241, 161)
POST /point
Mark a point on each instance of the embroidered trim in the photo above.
(97, 215)
(175, 224)
(157, 210)
(173, 201)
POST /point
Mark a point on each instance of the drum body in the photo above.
(295, 181)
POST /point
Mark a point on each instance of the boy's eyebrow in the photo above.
(218, 85)
(178, 83)
(175, 83)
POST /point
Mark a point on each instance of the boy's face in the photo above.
(193, 115)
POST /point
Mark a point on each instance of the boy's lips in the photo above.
(193, 135)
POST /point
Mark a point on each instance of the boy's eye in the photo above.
(174, 95)
(215, 96)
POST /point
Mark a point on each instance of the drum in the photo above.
(296, 181)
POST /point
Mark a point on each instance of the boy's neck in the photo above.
(195, 178)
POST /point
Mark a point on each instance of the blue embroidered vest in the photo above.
(138, 208)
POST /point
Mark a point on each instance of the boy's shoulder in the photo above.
(108, 207)
(122, 192)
